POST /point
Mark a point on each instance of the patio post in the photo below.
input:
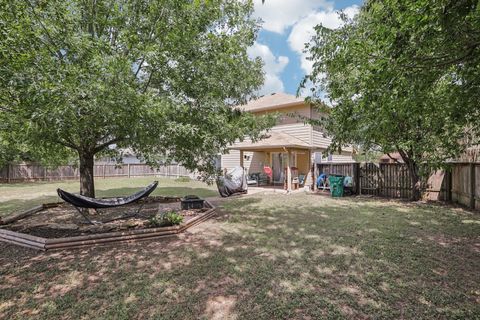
(241, 158)
(289, 172)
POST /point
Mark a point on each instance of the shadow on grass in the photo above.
(10, 206)
(264, 258)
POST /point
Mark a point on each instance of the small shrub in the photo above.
(183, 179)
(173, 218)
(166, 219)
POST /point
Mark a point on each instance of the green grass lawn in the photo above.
(19, 196)
(265, 257)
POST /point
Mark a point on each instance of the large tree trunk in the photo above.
(414, 175)
(416, 181)
(87, 186)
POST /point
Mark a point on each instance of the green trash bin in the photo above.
(336, 185)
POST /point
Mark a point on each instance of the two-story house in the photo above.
(292, 147)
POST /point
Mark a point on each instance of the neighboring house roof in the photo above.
(394, 155)
(472, 154)
(274, 140)
(272, 101)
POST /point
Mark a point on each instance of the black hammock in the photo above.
(92, 203)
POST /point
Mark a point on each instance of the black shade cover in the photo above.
(86, 202)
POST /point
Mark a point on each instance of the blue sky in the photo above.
(287, 25)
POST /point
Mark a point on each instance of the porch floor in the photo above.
(272, 189)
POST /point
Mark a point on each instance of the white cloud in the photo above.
(273, 67)
(281, 14)
(303, 30)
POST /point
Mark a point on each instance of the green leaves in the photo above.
(160, 77)
(401, 78)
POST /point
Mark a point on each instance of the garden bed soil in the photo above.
(63, 220)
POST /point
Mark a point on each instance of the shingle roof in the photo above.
(272, 101)
(273, 140)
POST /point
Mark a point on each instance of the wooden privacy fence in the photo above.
(461, 184)
(33, 172)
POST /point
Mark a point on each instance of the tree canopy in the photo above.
(160, 77)
(402, 76)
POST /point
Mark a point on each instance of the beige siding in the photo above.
(323, 142)
(288, 115)
(293, 115)
(294, 126)
(336, 158)
(231, 159)
(254, 161)
(298, 130)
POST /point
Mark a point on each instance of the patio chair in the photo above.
(322, 181)
(348, 185)
(253, 179)
(301, 180)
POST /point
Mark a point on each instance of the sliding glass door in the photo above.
(279, 164)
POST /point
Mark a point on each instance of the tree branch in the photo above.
(67, 144)
(139, 66)
(58, 53)
(148, 82)
(6, 109)
(395, 160)
(102, 146)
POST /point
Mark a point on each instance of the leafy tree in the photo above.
(402, 76)
(161, 77)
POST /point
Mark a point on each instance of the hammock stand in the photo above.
(79, 201)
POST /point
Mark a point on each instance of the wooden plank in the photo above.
(70, 244)
(17, 216)
(128, 237)
(23, 244)
(5, 232)
(123, 233)
(22, 241)
(112, 234)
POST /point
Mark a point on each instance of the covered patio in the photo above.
(285, 159)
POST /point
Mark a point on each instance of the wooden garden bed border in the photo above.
(44, 244)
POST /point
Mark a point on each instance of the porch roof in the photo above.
(274, 140)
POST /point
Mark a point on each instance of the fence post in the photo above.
(377, 191)
(128, 168)
(472, 185)
(8, 173)
(178, 171)
(356, 177)
(103, 171)
(448, 185)
(44, 173)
